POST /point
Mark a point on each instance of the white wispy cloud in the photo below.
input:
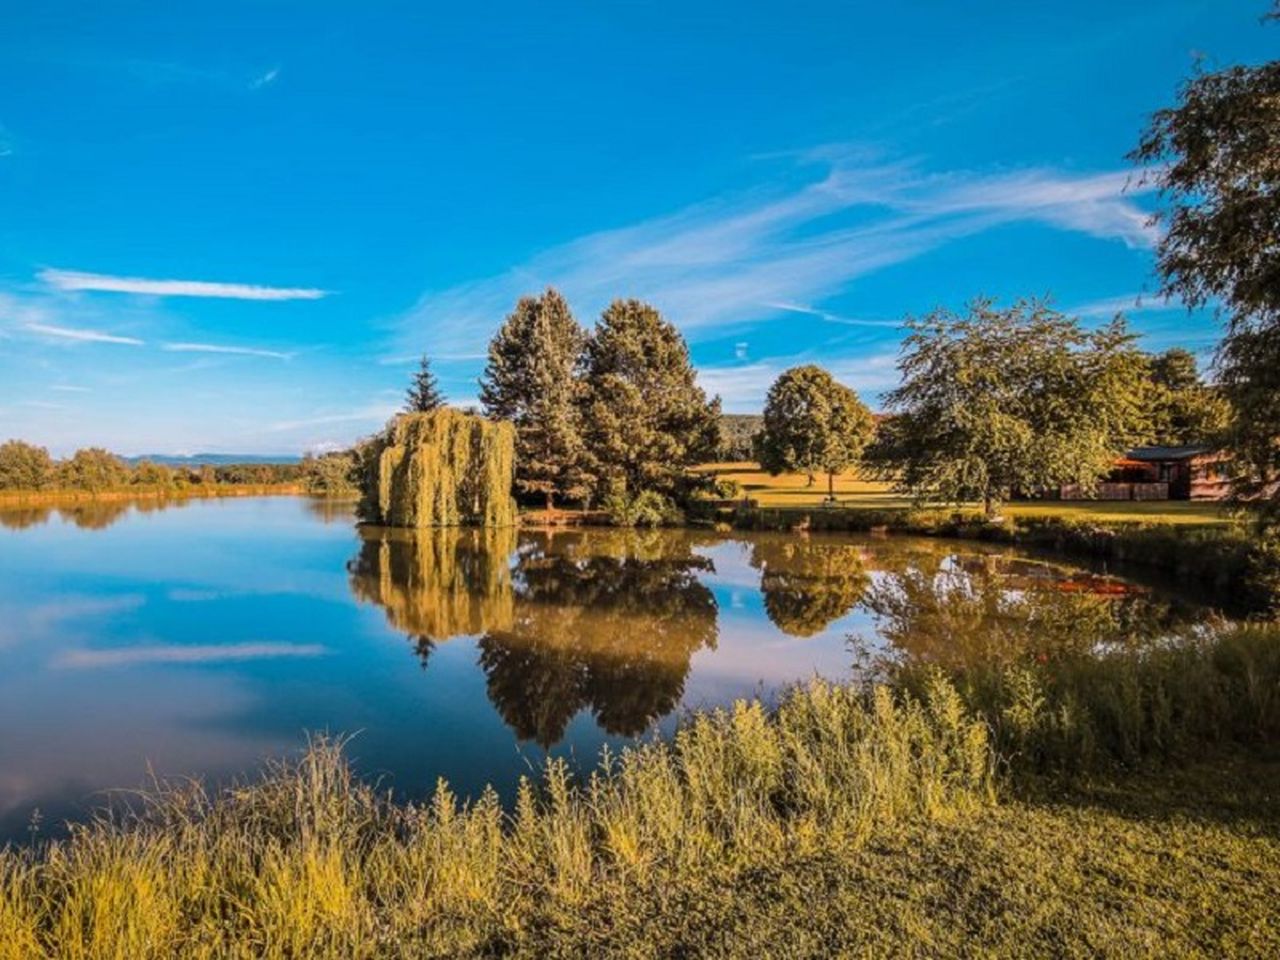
(69, 388)
(266, 78)
(833, 318)
(372, 414)
(81, 335)
(219, 348)
(742, 387)
(750, 258)
(1126, 303)
(183, 653)
(79, 280)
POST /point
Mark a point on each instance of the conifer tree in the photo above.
(647, 420)
(423, 394)
(531, 379)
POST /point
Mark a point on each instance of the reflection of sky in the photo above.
(199, 640)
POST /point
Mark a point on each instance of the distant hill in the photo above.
(215, 459)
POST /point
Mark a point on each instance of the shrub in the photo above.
(648, 509)
(24, 466)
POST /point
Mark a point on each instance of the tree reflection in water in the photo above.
(608, 621)
(986, 608)
(437, 584)
(19, 518)
(86, 514)
(809, 582)
(602, 620)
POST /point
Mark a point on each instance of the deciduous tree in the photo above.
(24, 466)
(1215, 157)
(1010, 400)
(813, 424)
(93, 469)
(1184, 409)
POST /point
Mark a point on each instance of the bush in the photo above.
(331, 475)
(24, 466)
(648, 509)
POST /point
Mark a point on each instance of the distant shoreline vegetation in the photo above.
(30, 474)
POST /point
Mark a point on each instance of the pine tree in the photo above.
(531, 379)
(423, 394)
(647, 419)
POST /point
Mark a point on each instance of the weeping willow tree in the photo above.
(445, 468)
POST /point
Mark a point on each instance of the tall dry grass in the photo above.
(311, 862)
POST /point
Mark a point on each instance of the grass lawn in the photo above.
(792, 490)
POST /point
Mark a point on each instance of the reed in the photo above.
(751, 822)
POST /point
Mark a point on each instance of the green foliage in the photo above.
(331, 474)
(531, 379)
(1249, 375)
(423, 394)
(726, 488)
(438, 469)
(812, 424)
(646, 419)
(737, 437)
(648, 508)
(153, 475)
(1008, 400)
(93, 469)
(24, 466)
(1213, 157)
(808, 583)
(1077, 710)
(1185, 411)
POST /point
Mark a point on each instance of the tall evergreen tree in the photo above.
(532, 380)
(647, 419)
(423, 394)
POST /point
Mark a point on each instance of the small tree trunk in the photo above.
(831, 487)
(551, 506)
(811, 480)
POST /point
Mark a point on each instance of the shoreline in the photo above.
(55, 498)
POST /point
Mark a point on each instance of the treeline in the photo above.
(28, 467)
(611, 418)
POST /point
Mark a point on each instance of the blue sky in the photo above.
(229, 227)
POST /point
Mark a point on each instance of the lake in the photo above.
(199, 637)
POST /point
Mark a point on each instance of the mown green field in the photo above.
(853, 491)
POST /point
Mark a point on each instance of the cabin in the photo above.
(1161, 473)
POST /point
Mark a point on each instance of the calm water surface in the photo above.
(198, 638)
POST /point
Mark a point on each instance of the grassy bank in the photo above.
(54, 498)
(1224, 561)
(856, 493)
(925, 816)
